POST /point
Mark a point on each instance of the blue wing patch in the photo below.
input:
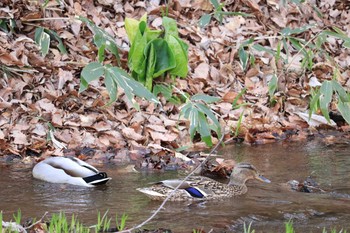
(194, 192)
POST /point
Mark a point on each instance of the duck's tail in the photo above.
(154, 195)
(99, 178)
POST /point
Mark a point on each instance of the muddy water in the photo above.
(268, 206)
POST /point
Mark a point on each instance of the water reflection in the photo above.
(267, 205)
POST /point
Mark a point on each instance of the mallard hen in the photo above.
(204, 188)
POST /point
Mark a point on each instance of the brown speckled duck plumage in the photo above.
(204, 188)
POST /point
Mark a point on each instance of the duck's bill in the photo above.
(263, 179)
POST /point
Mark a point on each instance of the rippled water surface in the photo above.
(267, 205)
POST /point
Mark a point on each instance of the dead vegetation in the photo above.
(39, 94)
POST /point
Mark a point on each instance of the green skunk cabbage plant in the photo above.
(114, 77)
(155, 52)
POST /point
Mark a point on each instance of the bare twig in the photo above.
(177, 187)
(39, 221)
(45, 19)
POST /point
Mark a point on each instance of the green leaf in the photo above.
(204, 20)
(215, 3)
(102, 37)
(101, 40)
(325, 98)
(132, 27)
(315, 96)
(165, 59)
(263, 49)
(114, 73)
(252, 59)
(194, 121)
(207, 111)
(43, 40)
(205, 98)
(137, 54)
(203, 129)
(320, 40)
(111, 87)
(101, 53)
(182, 148)
(166, 91)
(113, 48)
(179, 49)
(288, 31)
(338, 34)
(340, 91)
(170, 27)
(3, 26)
(285, 46)
(186, 110)
(144, 18)
(243, 57)
(151, 64)
(234, 103)
(55, 36)
(344, 109)
(152, 34)
(218, 16)
(90, 72)
(130, 86)
(272, 86)
(247, 42)
(296, 43)
(342, 35)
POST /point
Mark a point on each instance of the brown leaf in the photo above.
(201, 71)
(231, 96)
(131, 134)
(19, 137)
(102, 126)
(158, 128)
(204, 5)
(63, 77)
(57, 119)
(40, 130)
(248, 138)
(46, 105)
(253, 5)
(163, 137)
(32, 15)
(235, 23)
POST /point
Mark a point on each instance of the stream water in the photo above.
(267, 206)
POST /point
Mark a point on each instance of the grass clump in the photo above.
(60, 223)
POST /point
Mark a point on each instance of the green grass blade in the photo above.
(325, 98)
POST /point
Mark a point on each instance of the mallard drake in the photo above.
(204, 188)
(69, 170)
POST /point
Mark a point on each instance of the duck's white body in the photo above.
(69, 170)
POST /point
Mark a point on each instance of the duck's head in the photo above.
(243, 172)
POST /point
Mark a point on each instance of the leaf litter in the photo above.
(39, 97)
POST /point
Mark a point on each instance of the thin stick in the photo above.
(44, 19)
(172, 192)
(37, 221)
